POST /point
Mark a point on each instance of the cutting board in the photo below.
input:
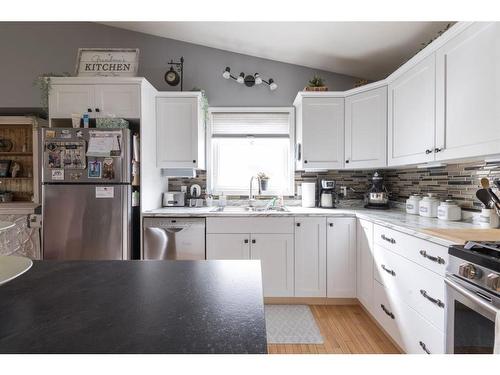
(460, 236)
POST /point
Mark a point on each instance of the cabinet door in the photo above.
(228, 246)
(412, 115)
(468, 93)
(118, 100)
(310, 257)
(366, 129)
(364, 285)
(322, 133)
(341, 257)
(275, 251)
(65, 100)
(177, 133)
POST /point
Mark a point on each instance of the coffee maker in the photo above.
(377, 196)
(327, 195)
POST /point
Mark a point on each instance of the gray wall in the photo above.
(32, 48)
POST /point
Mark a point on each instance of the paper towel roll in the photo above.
(308, 194)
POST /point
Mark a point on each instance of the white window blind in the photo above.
(247, 123)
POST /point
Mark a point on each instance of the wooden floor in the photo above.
(345, 329)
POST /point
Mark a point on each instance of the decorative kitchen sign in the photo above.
(107, 62)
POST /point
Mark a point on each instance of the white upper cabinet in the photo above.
(319, 132)
(366, 129)
(412, 115)
(341, 257)
(65, 100)
(180, 132)
(310, 257)
(468, 93)
(118, 100)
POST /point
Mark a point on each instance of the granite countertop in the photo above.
(396, 219)
(134, 307)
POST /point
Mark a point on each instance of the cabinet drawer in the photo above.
(387, 312)
(415, 285)
(425, 253)
(420, 337)
(250, 225)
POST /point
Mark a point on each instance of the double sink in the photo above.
(243, 209)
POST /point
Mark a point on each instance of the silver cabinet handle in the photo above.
(433, 300)
(391, 240)
(424, 347)
(391, 272)
(436, 259)
(388, 313)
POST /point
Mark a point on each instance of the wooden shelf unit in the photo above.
(22, 131)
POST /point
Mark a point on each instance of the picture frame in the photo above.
(94, 169)
(107, 62)
(4, 168)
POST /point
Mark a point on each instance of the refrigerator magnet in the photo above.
(94, 169)
(104, 192)
(57, 174)
(108, 170)
(50, 134)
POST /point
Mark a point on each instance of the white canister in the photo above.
(488, 218)
(449, 210)
(413, 204)
(308, 194)
(428, 206)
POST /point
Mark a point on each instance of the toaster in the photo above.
(173, 199)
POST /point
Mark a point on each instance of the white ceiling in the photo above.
(369, 50)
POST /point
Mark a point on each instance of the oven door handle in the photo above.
(472, 296)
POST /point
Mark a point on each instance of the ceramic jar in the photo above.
(413, 204)
(428, 206)
(449, 210)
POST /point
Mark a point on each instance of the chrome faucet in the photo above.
(250, 200)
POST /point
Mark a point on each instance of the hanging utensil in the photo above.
(485, 183)
(484, 196)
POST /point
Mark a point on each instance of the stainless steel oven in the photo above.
(470, 320)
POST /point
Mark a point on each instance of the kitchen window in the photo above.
(246, 141)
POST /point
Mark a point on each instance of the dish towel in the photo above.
(496, 349)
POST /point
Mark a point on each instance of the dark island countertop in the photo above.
(134, 307)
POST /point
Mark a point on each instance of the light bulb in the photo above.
(258, 80)
(272, 85)
(227, 73)
(241, 78)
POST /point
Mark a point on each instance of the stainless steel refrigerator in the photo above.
(86, 194)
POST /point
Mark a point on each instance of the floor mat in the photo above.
(291, 324)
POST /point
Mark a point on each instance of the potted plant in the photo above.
(44, 84)
(316, 84)
(263, 180)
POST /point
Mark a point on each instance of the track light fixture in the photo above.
(249, 80)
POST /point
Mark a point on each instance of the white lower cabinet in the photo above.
(276, 254)
(310, 257)
(341, 257)
(269, 240)
(409, 296)
(364, 263)
(228, 246)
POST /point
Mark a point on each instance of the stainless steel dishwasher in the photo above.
(174, 238)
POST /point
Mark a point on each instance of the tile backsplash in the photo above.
(454, 181)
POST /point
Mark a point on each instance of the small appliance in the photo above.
(473, 298)
(377, 196)
(328, 196)
(173, 199)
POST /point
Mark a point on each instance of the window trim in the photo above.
(211, 110)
